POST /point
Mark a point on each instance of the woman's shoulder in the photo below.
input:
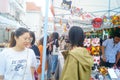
(79, 49)
(30, 51)
(6, 50)
(40, 46)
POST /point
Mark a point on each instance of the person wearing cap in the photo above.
(110, 48)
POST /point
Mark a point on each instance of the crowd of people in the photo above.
(22, 59)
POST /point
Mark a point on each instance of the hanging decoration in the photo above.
(86, 16)
(67, 26)
(55, 28)
(52, 10)
(76, 11)
(104, 19)
(97, 22)
(70, 22)
(64, 27)
(66, 4)
(87, 42)
(93, 46)
(8, 29)
(107, 20)
(60, 21)
(116, 20)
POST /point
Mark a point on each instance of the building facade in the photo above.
(10, 17)
(33, 18)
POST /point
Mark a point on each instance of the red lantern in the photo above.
(52, 10)
(97, 22)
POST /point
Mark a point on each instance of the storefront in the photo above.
(6, 27)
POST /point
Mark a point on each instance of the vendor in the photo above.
(110, 48)
(117, 64)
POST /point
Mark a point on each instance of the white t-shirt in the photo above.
(16, 65)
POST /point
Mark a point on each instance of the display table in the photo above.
(95, 75)
(113, 74)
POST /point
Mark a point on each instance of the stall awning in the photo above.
(6, 21)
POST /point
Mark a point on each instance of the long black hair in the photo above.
(20, 31)
(76, 36)
(55, 37)
(33, 36)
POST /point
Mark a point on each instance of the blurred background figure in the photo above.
(40, 47)
(54, 53)
(34, 47)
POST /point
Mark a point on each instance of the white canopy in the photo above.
(11, 23)
(87, 11)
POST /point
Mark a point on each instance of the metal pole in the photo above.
(45, 39)
(109, 9)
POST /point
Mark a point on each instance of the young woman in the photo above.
(33, 46)
(54, 53)
(40, 47)
(18, 62)
(78, 62)
(36, 51)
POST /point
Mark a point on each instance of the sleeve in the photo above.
(70, 69)
(2, 63)
(33, 59)
(41, 52)
(36, 50)
(105, 43)
(119, 48)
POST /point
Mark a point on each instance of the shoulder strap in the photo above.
(25, 65)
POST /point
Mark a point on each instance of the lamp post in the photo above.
(45, 40)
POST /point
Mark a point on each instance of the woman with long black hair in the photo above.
(54, 52)
(78, 62)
